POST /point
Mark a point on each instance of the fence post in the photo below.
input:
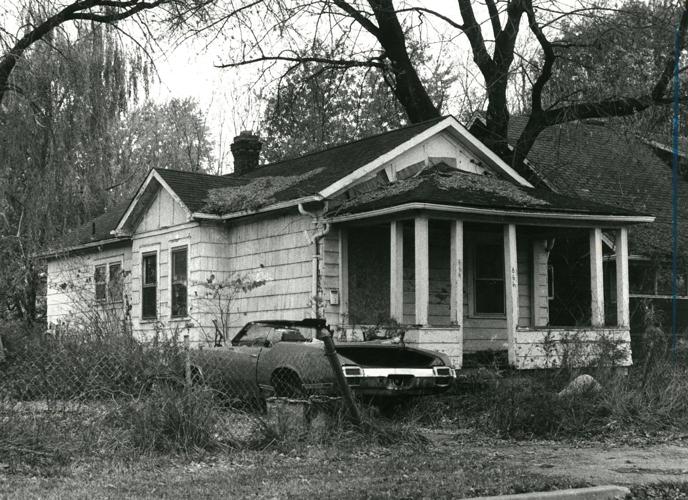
(187, 361)
(2, 351)
(344, 388)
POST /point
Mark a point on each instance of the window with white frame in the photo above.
(108, 279)
(149, 286)
(179, 297)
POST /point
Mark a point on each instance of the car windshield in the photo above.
(264, 333)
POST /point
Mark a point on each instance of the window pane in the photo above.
(115, 282)
(99, 279)
(148, 309)
(489, 296)
(179, 291)
(489, 261)
(149, 269)
(179, 265)
(179, 299)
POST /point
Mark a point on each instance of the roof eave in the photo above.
(83, 246)
(246, 213)
(578, 219)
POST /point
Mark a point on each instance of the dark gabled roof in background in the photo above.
(600, 163)
(445, 185)
(97, 229)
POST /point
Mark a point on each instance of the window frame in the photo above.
(106, 263)
(103, 283)
(156, 285)
(476, 241)
(120, 297)
(172, 250)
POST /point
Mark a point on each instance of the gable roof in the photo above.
(599, 163)
(326, 173)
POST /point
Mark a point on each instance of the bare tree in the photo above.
(40, 21)
(492, 30)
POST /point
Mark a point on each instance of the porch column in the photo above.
(623, 316)
(343, 277)
(511, 289)
(396, 271)
(456, 271)
(422, 268)
(596, 278)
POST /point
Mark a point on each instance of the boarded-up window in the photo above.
(99, 278)
(489, 279)
(115, 282)
(149, 286)
(179, 282)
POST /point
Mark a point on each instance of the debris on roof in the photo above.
(253, 195)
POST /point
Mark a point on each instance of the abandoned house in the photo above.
(600, 160)
(422, 226)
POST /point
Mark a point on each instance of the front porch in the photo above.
(470, 287)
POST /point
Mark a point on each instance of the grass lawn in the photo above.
(311, 471)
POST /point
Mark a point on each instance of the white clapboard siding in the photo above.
(524, 282)
(272, 249)
(70, 287)
(329, 267)
(162, 212)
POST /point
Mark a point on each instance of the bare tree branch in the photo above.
(78, 10)
(343, 63)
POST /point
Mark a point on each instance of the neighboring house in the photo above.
(422, 225)
(599, 162)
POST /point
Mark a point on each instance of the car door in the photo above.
(298, 363)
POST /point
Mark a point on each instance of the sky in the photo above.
(226, 95)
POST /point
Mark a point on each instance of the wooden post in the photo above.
(456, 274)
(396, 271)
(596, 278)
(623, 316)
(422, 267)
(540, 284)
(511, 289)
(343, 277)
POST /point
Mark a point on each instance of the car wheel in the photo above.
(287, 384)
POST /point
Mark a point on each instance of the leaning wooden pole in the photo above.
(344, 388)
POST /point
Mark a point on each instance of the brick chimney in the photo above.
(246, 151)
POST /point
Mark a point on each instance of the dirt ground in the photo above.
(597, 463)
(454, 465)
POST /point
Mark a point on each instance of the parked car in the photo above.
(287, 358)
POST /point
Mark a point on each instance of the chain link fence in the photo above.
(61, 394)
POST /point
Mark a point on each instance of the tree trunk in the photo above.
(408, 87)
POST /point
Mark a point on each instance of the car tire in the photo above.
(287, 384)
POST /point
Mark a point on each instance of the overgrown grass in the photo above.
(38, 365)
(519, 405)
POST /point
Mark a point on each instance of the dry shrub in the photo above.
(171, 420)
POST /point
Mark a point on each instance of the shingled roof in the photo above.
(97, 229)
(602, 164)
(445, 185)
(558, 156)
